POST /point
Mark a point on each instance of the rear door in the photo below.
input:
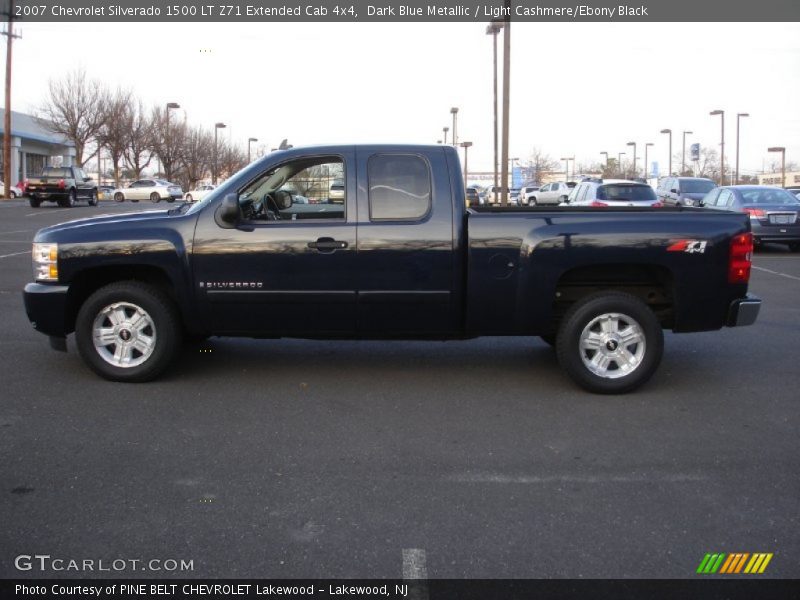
(407, 274)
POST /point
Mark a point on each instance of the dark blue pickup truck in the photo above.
(396, 255)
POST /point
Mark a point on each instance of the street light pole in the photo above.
(634, 156)
(248, 147)
(738, 115)
(721, 113)
(669, 131)
(606, 153)
(646, 146)
(506, 104)
(217, 127)
(782, 150)
(168, 173)
(454, 112)
(493, 30)
(445, 129)
(466, 146)
(566, 167)
(683, 152)
(619, 163)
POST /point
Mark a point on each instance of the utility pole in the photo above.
(10, 35)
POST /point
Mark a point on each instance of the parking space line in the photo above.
(778, 273)
(414, 566)
(47, 212)
(15, 254)
(17, 231)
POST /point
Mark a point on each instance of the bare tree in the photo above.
(231, 159)
(540, 163)
(114, 133)
(167, 138)
(75, 109)
(138, 153)
(198, 149)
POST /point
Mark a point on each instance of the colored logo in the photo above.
(735, 563)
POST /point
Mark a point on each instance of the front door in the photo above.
(287, 269)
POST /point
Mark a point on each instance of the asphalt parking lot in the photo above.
(476, 459)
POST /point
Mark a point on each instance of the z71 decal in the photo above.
(689, 246)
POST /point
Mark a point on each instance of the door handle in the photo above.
(327, 244)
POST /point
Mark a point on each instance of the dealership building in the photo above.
(33, 147)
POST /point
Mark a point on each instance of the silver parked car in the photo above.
(199, 192)
(550, 193)
(154, 190)
(613, 192)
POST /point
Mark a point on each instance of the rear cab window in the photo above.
(399, 187)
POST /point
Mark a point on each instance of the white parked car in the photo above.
(199, 192)
(613, 192)
(550, 193)
(13, 191)
(154, 190)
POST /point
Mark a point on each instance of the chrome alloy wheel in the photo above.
(612, 345)
(124, 335)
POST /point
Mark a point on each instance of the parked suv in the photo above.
(550, 193)
(683, 191)
(613, 192)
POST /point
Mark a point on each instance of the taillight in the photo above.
(741, 258)
(598, 203)
(755, 213)
(657, 205)
(62, 184)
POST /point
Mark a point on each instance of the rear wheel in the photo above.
(92, 200)
(188, 197)
(128, 331)
(119, 197)
(794, 246)
(533, 201)
(34, 202)
(154, 197)
(610, 343)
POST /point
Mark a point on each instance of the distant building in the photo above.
(33, 147)
(792, 178)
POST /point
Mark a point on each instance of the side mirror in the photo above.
(228, 213)
(283, 199)
(674, 191)
(85, 179)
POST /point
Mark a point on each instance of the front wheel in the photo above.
(34, 202)
(154, 198)
(794, 246)
(119, 197)
(610, 343)
(533, 201)
(128, 331)
(92, 200)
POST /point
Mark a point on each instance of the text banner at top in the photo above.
(375, 11)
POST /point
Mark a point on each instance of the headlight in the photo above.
(45, 262)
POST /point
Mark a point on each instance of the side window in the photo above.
(307, 188)
(725, 198)
(584, 192)
(711, 199)
(399, 187)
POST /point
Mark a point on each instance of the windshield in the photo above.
(697, 186)
(56, 172)
(625, 192)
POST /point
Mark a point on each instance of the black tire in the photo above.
(12, 194)
(119, 197)
(72, 198)
(34, 202)
(562, 199)
(162, 329)
(92, 199)
(155, 198)
(188, 198)
(794, 246)
(533, 201)
(621, 310)
(170, 200)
